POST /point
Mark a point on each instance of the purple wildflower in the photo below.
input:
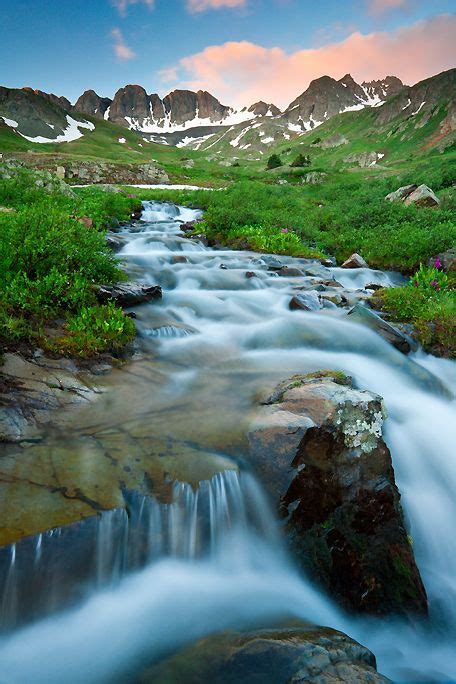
(438, 263)
(284, 230)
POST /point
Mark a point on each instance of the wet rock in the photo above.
(289, 653)
(333, 297)
(128, 294)
(289, 272)
(317, 445)
(251, 274)
(404, 343)
(114, 243)
(332, 283)
(272, 262)
(179, 259)
(31, 389)
(374, 286)
(355, 261)
(188, 226)
(422, 197)
(202, 238)
(447, 260)
(307, 301)
(223, 267)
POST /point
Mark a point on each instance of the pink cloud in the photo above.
(381, 6)
(202, 5)
(121, 49)
(240, 73)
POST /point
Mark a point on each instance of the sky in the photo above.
(240, 50)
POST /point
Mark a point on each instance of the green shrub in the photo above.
(273, 162)
(95, 329)
(50, 262)
(301, 160)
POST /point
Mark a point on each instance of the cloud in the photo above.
(168, 74)
(121, 49)
(202, 5)
(240, 73)
(381, 6)
(123, 5)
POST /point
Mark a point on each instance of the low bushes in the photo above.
(429, 303)
(50, 263)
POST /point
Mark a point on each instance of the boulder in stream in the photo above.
(128, 294)
(290, 653)
(317, 445)
(355, 261)
(398, 339)
(306, 301)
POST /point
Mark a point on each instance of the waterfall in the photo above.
(46, 572)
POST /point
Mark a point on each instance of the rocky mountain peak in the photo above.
(91, 103)
(264, 109)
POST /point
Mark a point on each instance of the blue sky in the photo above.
(66, 46)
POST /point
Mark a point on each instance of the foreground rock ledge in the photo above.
(318, 446)
(287, 654)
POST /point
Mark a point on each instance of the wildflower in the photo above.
(438, 263)
(434, 283)
(284, 230)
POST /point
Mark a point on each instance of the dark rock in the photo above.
(398, 339)
(128, 294)
(307, 301)
(290, 272)
(289, 653)
(223, 267)
(318, 447)
(355, 261)
(114, 243)
(188, 226)
(250, 274)
(374, 286)
(179, 259)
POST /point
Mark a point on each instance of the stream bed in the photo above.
(190, 561)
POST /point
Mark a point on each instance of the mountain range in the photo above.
(184, 110)
(200, 121)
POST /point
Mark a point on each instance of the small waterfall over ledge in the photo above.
(54, 569)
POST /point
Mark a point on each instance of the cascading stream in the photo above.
(212, 557)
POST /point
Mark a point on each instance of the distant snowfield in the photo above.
(70, 133)
(158, 186)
